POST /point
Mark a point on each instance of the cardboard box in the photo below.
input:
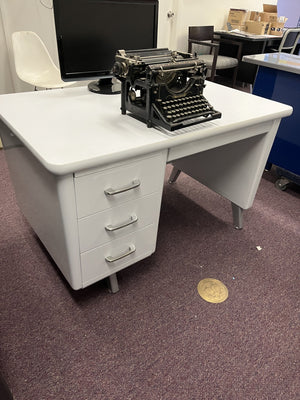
(257, 27)
(276, 28)
(254, 16)
(230, 27)
(266, 22)
(238, 16)
(269, 14)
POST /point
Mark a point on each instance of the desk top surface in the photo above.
(282, 61)
(72, 129)
(248, 36)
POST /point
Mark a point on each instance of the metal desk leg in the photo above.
(5, 393)
(174, 175)
(237, 213)
(112, 282)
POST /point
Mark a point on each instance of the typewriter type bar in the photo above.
(163, 87)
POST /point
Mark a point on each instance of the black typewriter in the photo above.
(163, 87)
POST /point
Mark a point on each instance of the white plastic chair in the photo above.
(33, 62)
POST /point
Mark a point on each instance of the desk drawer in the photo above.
(141, 177)
(94, 265)
(104, 226)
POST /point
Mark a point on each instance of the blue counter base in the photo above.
(284, 87)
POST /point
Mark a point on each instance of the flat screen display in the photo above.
(89, 32)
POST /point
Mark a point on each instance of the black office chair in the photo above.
(289, 41)
(204, 36)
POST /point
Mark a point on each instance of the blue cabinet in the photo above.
(278, 79)
(284, 87)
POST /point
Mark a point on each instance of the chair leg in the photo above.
(234, 76)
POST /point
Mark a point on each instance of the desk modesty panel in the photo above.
(89, 180)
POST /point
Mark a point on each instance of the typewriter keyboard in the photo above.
(187, 107)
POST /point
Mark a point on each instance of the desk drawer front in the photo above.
(132, 215)
(139, 244)
(101, 190)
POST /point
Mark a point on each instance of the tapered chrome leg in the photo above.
(112, 282)
(237, 214)
(174, 175)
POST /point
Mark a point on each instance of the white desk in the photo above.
(67, 148)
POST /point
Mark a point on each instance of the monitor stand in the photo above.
(105, 86)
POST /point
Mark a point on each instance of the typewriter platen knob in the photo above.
(120, 68)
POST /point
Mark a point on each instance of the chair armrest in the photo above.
(234, 43)
(202, 43)
(214, 50)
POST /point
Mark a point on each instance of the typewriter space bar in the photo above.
(205, 115)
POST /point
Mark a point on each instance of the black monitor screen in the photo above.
(89, 32)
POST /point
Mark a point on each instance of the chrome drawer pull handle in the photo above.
(130, 250)
(130, 221)
(134, 184)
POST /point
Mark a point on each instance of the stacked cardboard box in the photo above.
(276, 24)
(276, 28)
(266, 22)
(269, 14)
(237, 18)
(257, 27)
(259, 23)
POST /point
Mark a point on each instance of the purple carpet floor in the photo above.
(157, 339)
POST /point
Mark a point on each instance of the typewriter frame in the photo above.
(147, 77)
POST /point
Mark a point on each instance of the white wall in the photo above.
(37, 15)
(206, 12)
(6, 85)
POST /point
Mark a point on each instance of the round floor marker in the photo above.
(212, 290)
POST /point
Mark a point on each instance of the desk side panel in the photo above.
(48, 203)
